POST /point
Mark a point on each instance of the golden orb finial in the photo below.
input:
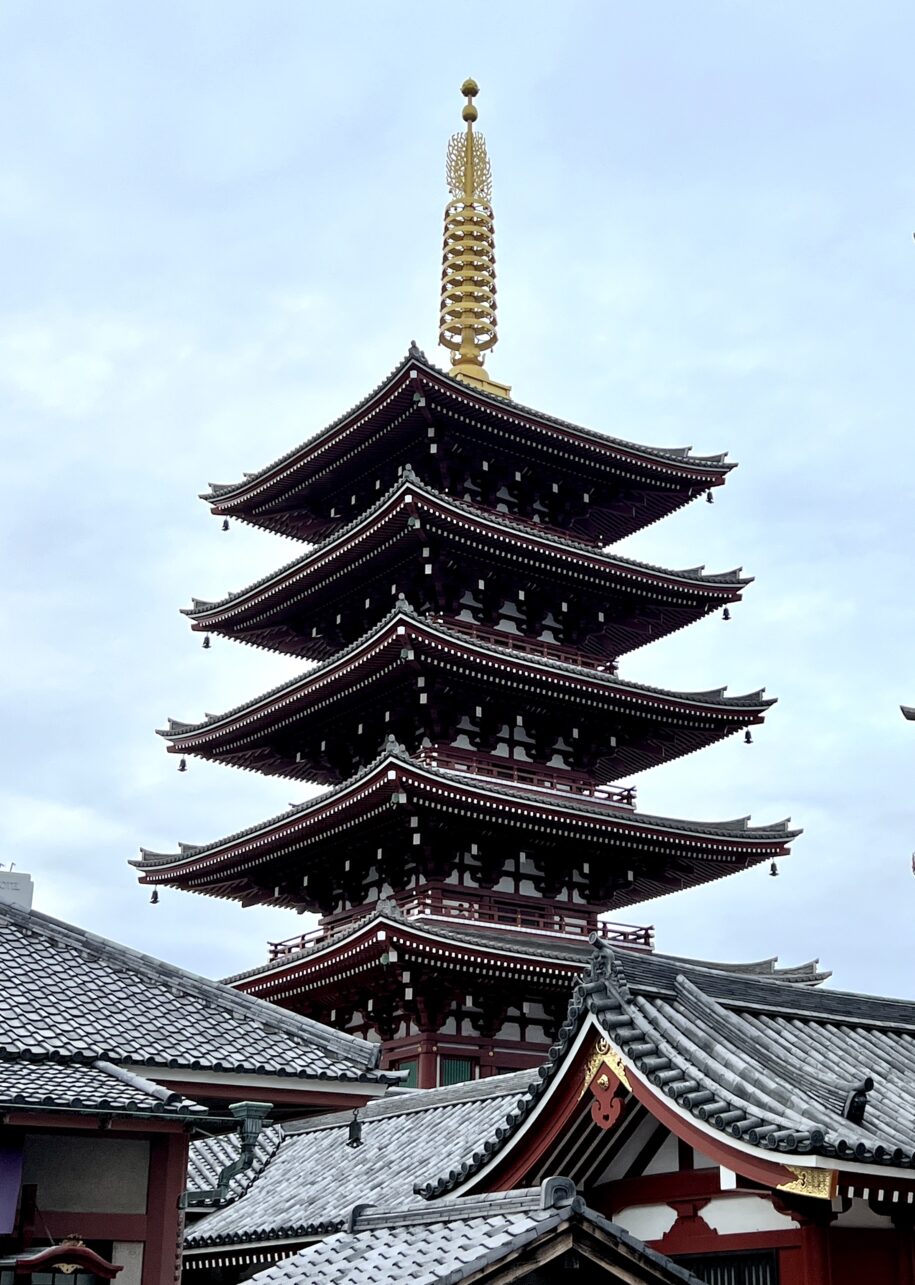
(467, 319)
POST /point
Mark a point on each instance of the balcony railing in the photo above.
(532, 775)
(527, 646)
(485, 909)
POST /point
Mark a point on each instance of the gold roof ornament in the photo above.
(467, 319)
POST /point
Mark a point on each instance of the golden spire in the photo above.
(467, 320)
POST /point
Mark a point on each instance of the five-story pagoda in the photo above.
(464, 618)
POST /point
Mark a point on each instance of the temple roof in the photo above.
(576, 952)
(71, 1084)
(394, 770)
(310, 1180)
(286, 469)
(459, 1240)
(208, 1157)
(305, 695)
(75, 998)
(785, 1066)
(497, 525)
(410, 499)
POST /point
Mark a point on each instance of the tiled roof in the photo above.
(714, 698)
(90, 1086)
(72, 995)
(778, 1066)
(680, 457)
(738, 828)
(208, 1157)
(457, 1239)
(550, 540)
(574, 950)
(396, 755)
(314, 1178)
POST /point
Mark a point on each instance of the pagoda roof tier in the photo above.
(323, 724)
(320, 485)
(392, 539)
(506, 953)
(267, 862)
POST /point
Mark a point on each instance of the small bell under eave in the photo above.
(773, 870)
(182, 765)
(225, 524)
(154, 897)
(709, 498)
(206, 642)
(354, 1135)
(748, 737)
(726, 614)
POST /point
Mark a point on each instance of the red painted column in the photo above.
(815, 1249)
(164, 1220)
(427, 1070)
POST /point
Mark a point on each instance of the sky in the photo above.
(221, 227)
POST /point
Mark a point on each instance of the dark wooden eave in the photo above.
(388, 424)
(642, 602)
(404, 649)
(669, 853)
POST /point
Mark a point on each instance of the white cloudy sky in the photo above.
(221, 226)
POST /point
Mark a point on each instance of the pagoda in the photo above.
(464, 616)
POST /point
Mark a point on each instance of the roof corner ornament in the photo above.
(820, 1184)
(467, 317)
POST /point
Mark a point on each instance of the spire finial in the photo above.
(467, 321)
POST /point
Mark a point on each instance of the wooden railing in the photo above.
(528, 646)
(483, 909)
(532, 775)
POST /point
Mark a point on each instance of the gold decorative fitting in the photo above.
(467, 316)
(819, 1183)
(603, 1054)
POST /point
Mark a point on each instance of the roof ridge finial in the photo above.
(467, 319)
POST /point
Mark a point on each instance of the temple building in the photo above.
(750, 1130)
(463, 619)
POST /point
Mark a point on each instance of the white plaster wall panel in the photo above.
(732, 1215)
(646, 1222)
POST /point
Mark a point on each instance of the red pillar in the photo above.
(164, 1220)
(815, 1248)
(427, 1071)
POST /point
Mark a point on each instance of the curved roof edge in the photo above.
(682, 457)
(404, 613)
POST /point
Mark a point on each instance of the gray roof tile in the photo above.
(91, 1086)
(788, 1058)
(456, 1239)
(81, 997)
(314, 1178)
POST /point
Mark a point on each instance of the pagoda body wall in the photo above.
(467, 712)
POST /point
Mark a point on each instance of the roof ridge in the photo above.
(410, 1101)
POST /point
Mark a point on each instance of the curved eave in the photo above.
(253, 602)
(419, 939)
(284, 473)
(720, 1078)
(230, 857)
(401, 626)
